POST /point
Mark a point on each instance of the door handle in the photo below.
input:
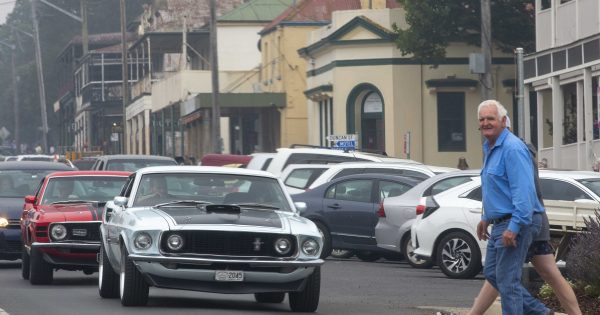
(334, 206)
(475, 210)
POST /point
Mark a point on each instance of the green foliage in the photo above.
(582, 262)
(592, 290)
(546, 291)
(433, 24)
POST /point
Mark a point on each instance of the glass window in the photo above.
(559, 190)
(451, 122)
(352, 190)
(89, 188)
(302, 178)
(391, 189)
(445, 184)
(134, 165)
(20, 183)
(592, 184)
(475, 194)
(348, 171)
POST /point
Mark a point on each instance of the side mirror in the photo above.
(300, 206)
(30, 199)
(120, 201)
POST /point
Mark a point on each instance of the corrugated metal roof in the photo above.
(257, 11)
(317, 11)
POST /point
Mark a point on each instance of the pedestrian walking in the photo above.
(541, 256)
(511, 205)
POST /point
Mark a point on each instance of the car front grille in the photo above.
(228, 243)
(82, 231)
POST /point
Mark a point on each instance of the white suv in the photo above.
(287, 156)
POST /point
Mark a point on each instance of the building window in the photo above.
(325, 120)
(546, 4)
(451, 122)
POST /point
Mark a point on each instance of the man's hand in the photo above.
(509, 238)
(482, 230)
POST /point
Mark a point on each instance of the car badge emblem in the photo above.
(257, 244)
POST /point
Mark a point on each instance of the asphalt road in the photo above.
(348, 287)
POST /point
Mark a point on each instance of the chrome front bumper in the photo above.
(91, 246)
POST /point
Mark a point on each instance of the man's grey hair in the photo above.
(501, 110)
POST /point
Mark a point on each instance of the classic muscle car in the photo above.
(211, 229)
(60, 224)
(17, 180)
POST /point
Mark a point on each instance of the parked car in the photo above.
(60, 224)
(417, 171)
(260, 161)
(85, 163)
(44, 158)
(17, 180)
(169, 229)
(297, 177)
(345, 210)
(213, 159)
(445, 227)
(287, 156)
(397, 214)
(130, 163)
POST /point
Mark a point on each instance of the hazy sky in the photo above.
(6, 7)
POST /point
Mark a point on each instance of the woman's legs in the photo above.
(483, 301)
(547, 269)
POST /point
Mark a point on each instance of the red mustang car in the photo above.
(60, 225)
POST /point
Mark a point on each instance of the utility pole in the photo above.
(15, 99)
(486, 49)
(214, 67)
(40, 74)
(125, 65)
(84, 27)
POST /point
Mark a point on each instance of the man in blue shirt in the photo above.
(510, 203)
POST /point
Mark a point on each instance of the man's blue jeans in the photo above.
(504, 267)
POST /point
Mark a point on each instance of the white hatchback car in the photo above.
(445, 228)
(298, 177)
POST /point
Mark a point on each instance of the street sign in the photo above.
(343, 142)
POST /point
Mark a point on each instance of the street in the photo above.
(347, 287)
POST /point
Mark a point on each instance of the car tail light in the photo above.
(421, 206)
(381, 210)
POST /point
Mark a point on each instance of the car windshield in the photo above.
(20, 183)
(214, 188)
(88, 188)
(592, 184)
(134, 165)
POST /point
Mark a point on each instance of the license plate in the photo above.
(226, 275)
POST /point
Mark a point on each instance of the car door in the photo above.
(472, 202)
(349, 209)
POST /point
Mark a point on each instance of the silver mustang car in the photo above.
(210, 229)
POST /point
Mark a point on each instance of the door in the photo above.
(349, 208)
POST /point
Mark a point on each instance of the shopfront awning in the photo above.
(243, 100)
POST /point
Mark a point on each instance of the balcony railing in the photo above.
(96, 92)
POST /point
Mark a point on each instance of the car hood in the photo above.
(71, 212)
(11, 208)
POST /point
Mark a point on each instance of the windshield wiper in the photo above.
(75, 201)
(183, 202)
(256, 205)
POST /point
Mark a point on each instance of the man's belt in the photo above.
(501, 219)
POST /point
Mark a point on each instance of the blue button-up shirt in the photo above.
(507, 182)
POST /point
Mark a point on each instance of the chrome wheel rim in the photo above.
(410, 253)
(456, 255)
(122, 281)
(339, 252)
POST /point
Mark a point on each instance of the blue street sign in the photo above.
(345, 144)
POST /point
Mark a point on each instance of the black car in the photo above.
(130, 162)
(345, 210)
(17, 180)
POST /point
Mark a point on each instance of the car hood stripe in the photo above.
(264, 218)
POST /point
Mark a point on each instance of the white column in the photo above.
(527, 114)
(588, 119)
(540, 120)
(558, 108)
(580, 133)
(147, 131)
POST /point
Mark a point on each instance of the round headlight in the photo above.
(283, 246)
(3, 222)
(142, 241)
(310, 247)
(175, 242)
(58, 232)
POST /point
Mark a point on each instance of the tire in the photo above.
(307, 300)
(324, 231)
(108, 279)
(368, 256)
(40, 272)
(458, 256)
(133, 288)
(411, 258)
(341, 253)
(25, 264)
(269, 297)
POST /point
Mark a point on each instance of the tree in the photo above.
(434, 24)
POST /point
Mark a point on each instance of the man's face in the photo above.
(490, 125)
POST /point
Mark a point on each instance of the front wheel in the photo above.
(459, 256)
(341, 253)
(133, 288)
(307, 300)
(269, 297)
(40, 272)
(25, 264)
(108, 279)
(412, 259)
